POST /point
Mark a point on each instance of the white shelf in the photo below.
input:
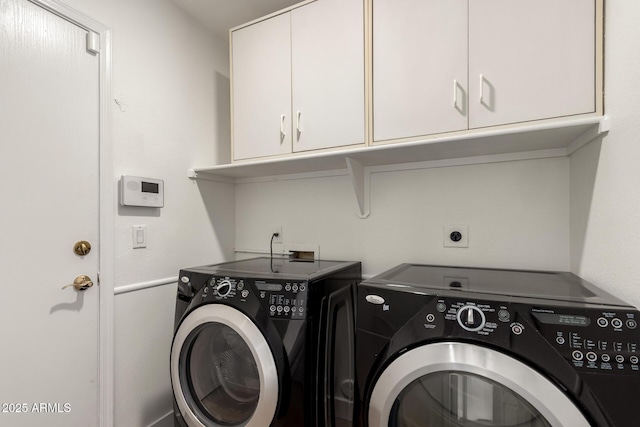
(567, 134)
(562, 137)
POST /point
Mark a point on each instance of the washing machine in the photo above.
(449, 346)
(247, 349)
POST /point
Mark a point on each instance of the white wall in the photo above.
(517, 213)
(170, 80)
(605, 177)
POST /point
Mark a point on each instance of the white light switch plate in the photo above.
(139, 236)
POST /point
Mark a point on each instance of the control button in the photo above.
(430, 317)
(303, 288)
(634, 360)
(632, 324)
(616, 323)
(184, 279)
(245, 293)
(504, 315)
(241, 285)
(441, 307)
(620, 358)
(560, 340)
(279, 309)
(592, 357)
(471, 318)
(295, 288)
(602, 322)
(300, 309)
(286, 308)
(517, 329)
(577, 355)
(287, 287)
(606, 358)
(206, 289)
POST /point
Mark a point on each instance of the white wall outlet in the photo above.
(456, 236)
(277, 229)
(139, 236)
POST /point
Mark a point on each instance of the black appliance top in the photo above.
(541, 285)
(266, 267)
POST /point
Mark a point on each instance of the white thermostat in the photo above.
(138, 191)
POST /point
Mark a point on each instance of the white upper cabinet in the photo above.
(299, 80)
(327, 74)
(328, 69)
(419, 67)
(441, 66)
(261, 97)
(530, 60)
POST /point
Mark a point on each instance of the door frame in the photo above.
(106, 215)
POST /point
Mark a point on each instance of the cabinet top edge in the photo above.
(271, 15)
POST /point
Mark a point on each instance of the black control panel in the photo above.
(282, 298)
(285, 299)
(477, 317)
(606, 341)
(603, 341)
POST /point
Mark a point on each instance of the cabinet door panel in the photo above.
(537, 59)
(261, 72)
(419, 50)
(328, 74)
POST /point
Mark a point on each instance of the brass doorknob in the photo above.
(82, 248)
(81, 283)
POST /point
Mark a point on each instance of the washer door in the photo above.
(464, 385)
(222, 370)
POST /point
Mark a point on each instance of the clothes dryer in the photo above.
(246, 348)
(454, 347)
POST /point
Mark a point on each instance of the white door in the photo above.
(327, 62)
(261, 61)
(530, 60)
(49, 169)
(419, 67)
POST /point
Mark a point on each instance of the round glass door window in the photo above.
(461, 399)
(221, 379)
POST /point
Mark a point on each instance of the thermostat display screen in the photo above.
(150, 187)
(142, 192)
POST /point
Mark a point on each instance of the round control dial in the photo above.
(471, 318)
(224, 288)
